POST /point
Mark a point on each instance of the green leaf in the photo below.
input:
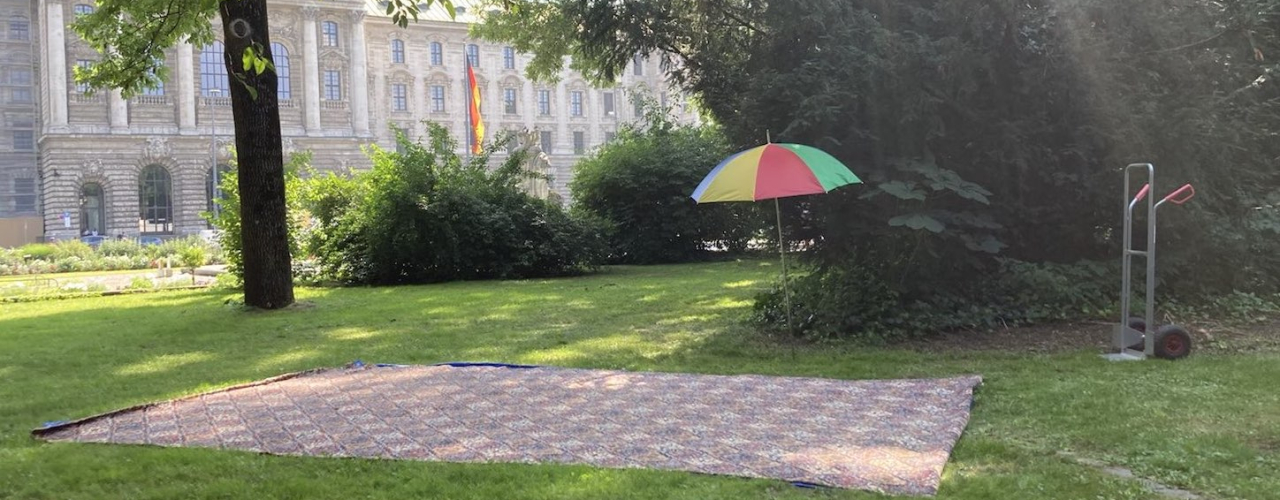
(918, 221)
(259, 65)
(247, 58)
(902, 190)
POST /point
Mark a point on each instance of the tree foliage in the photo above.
(640, 183)
(422, 214)
(985, 128)
(132, 36)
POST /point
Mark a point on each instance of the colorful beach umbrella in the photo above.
(774, 171)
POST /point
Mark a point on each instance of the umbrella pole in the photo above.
(782, 253)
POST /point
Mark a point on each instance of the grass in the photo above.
(1210, 423)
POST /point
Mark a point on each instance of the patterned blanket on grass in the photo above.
(892, 436)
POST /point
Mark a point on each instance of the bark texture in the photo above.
(268, 272)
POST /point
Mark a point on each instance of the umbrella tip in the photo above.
(767, 138)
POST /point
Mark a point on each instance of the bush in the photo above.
(640, 183)
(140, 283)
(120, 247)
(851, 301)
(37, 251)
(229, 249)
(72, 248)
(423, 215)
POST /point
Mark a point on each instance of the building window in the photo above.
(437, 54)
(19, 76)
(608, 104)
(24, 196)
(330, 31)
(397, 51)
(575, 103)
(82, 9)
(24, 140)
(544, 102)
(93, 218)
(509, 101)
(509, 58)
(332, 85)
(637, 63)
(639, 104)
(399, 97)
(544, 141)
(280, 57)
(155, 201)
(158, 89)
(19, 29)
(437, 98)
(579, 143)
(84, 65)
(213, 70)
(20, 95)
(473, 54)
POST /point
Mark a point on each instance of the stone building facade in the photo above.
(144, 166)
(19, 178)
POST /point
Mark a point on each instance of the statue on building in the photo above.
(537, 165)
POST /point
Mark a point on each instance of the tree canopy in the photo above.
(133, 35)
(985, 128)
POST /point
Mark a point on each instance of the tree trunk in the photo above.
(264, 232)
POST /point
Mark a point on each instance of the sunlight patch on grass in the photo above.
(727, 303)
(692, 318)
(282, 360)
(741, 284)
(652, 297)
(163, 363)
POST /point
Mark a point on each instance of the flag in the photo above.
(477, 123)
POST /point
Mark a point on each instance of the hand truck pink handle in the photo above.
(1142, 193)
(1182, 195)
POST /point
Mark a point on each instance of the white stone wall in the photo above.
(106, 139)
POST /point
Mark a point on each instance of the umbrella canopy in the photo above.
(773, 171)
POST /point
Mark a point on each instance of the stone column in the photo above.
(311, 70)
(527, 105)
(563, 139)
(359, 76)
(380, 106)
(186, 89)
(57, 53)
(119, 112)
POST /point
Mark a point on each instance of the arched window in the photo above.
(280, 56)
(330, 31)
(473, 54)
(437, 54)
(397, 51)
(93, 218)
(82, 9)
(211, 192)
(155, 200)
(213, 70)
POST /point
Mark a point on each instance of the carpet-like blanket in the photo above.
(892, 436)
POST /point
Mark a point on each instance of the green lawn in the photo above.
(1210, 423)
